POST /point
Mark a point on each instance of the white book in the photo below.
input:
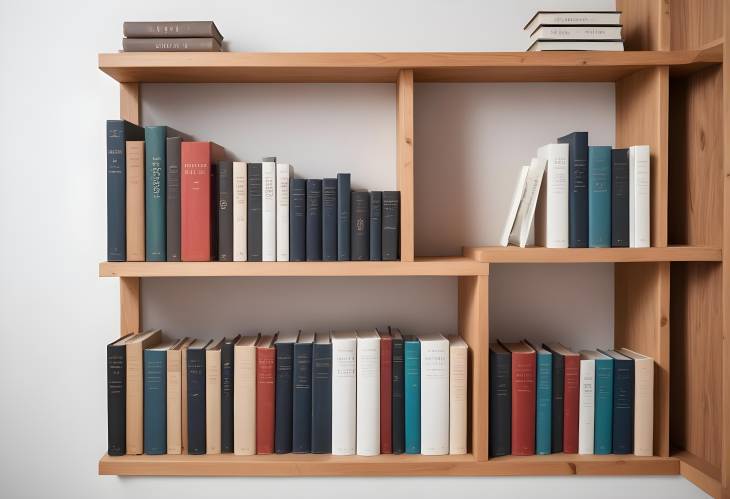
(244, 396)
(268, 210)
(586, 404)
(283, 175)
(551, 212)
(526, 212)
(572, 18)
(612, 33)
(639, 196)
(240, 210)
(586, 45)
(368, 393)
(434, 395)
(458, 378)
(344, 388)
(643, 402)
(516, 198)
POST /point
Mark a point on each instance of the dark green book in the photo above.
(155, 400)
(155, 146)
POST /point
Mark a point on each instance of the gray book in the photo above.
(173, 29)
(171, 45)
(224, 182)
(172, 194)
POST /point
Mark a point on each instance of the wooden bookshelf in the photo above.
(672, 301)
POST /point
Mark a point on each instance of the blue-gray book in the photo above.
(603, 424)
(322, 395)
(544, 406)
(155, 400)
(298, 220)
(314, 220)
(599, 197)
(302, 395)
(329, 219)
(622, 438)
(376, 225)
(577, 188)
(412, 368)
(155, 199)
(343, 216)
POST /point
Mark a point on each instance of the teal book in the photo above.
(544, 397)
(412, 368)
(155, 400)
(603, 421)
(155, 200)
(599, 197)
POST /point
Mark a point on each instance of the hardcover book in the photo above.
(639, 197)
(643, 402)
(360, 226)
(558, 402)
(620, 198)
(284, 346)
(224, 204)
(240, 211)
(412, 387)
(196, 396)
(213, 397)
(398, 387)
(172, 29)
(265, 394)
(322, 394)
(526, 211)
(174, 397)
(135, 201)
(523, 398)
(622, 441)
(386, 392)
(543, 406)
(571, 385)
(587, 408)
(563, 18)
(298, 220)
(434, 395)
(577, 187)
(603, 401)
(227, 402)
(184, 393)
(253, 219)
(302, 394)
(170, 45)
(368, 393)
(329, 219)
(268, 209)
(551, 212)
(135, 388)
(391, 225)
(458, 378)
(376, 225)
(116, 396)
(155, 400)
(314, 220)
(344, 388)
(343, 216)
(244, 396)
(500, 400)
(599, 197)
(283, 177)
(155, 146)
(517, 195)
(172, 198)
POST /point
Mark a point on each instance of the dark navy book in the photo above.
(623, 403)
(391, 225)
(398, 406)
(500, 401)
(314, 220)
(360, 226)
(322, 394)
(155, 400)
(284, 346)
(620, 198)
(329, 219)
(558, 392)
(224, 210)
(577, 188)
(254, 222)
(302, 395)
(298, 220)
(343, 216)
(116, 381)
(196, 396)
(376, 225)
(227, 381)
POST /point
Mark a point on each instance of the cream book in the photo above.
(586, 403)
(368, 393)
(240, 210)
(135, 201)
(514, 206)
(526, 212)
(244, 396)
(458, 355)
(213, 397)
(643, 402)
(268, 209)
(135, 387)
(639, 196)
(344, 389)
(174, 397)
(434, 395)
(283, 176)
(551, 212)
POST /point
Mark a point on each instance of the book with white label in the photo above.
(562, 32)
(643, 402)
(551, 212)
(240, 209)
(244, 396)
(283, 176)
(526, 212)
(586, 403)
(344, 389)
(213, 397)
(434, 395)
(368, 393)
(514, 206)
(639, 196)
(268, 209)
(591, 17)
(458, 361)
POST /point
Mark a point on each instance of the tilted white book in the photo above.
(551, 212)
(586, 404)
(643, 402)
(458, 355)
(368, 393)
(283, 176)
(516, 198)
(344, 389)
(526, 212)
(268, 209)
(434, 395)
(240, 210)
(639, 196)
(244, 396)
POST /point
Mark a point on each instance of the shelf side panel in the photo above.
(725, 299)
(404, 161)
(645, 24)
(129, 305)
(694, 23)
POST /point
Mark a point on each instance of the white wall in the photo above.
(56, 315)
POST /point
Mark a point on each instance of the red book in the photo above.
(386, 393)
(265, 394)
(570, 402)
(195, 199)
(523, 398)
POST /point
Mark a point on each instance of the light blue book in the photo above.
(412, 378)
(599, 197)
(603, 392)
(544, 395)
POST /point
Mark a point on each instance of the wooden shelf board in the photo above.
(513, 254)
(574, 464)
(699, 472)
(431, 266)
(303, 67)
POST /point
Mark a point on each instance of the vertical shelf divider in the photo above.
(404, 162)
(725, 413)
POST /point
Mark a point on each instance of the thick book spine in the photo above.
(500, 403)
(268, 210)
(195, 197)
(214, 194)
(599, 197)
(644, 407)
(155, 402)
(398, 386)
(543, 423)
(174, 401)
(523, 403)
(360, 226)
(240, 211)
(227, 373)
(224, 171)
(386, 395)
(458, 358)
(265, 399)
(135, 200)
(155, 146)
(283, 404)
(571, 403)
(116, 394)
(391, 225)
(558, 409)
(604, 406)
(322, 398)
(344, 401)
(623, 407)
(254, 219)
(639, 197)
(172, 198)
(620, 198)
(213, 401)
(170, 45)
(435, 397)
(412, 370)
(283, 178)
(174, 29)
(196, 400)
(329, 219)
(376, 225)
(368, 396)
(314, 220)
(551, 212)
(298, 220)
(343, 216)
(244, 400)
(302, 399)
(577, 187)
(587, 407)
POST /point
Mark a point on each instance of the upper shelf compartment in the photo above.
(383, 67)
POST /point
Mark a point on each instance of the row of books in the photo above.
(550, 399)
(582, 196)
(169, 199)
(171, 36)
(342, 393)
(575, 30)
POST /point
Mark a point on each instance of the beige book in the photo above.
(174, 397)
(458, 352)
(643, 402)
(184, 394)
(135, 200)
(213, 397)
(135, 388)
(244, 396)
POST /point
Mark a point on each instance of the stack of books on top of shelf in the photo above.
(365, 392)
(172, 36)
(550, 399)
(592, 30)
(582, 196)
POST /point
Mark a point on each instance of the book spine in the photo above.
(599, 197)
(268, 211)
(390, 236)
(620, 198)
(623, 407)
(587, 407)
(376, 225)
(244, 401)
(543, 423)
(174, 402)
(558, 380)
(360, 226)
(116, 247)
(329, 219)
(184, 400)
(135, 400)
(224, 171)
(283, 177)
(116, 393)
(195, 202)
(644, 407)
(154, 200)
(368, 397)
(500, 404)
(172, 198)
(227, 373)
(298, 220)
(398, 386)
(175, 29)
(322, 398)
(578, 188)
(240, 211)
(553, 203)
(170, 45)
(213, 401)
(302, 399)
(155, 398)
(265, 399)
(314, 220)
(196, 401)
(254, 220)
(604, 409)
(344, 400)
(343, 216)
(283, 405)
(412, 373)
(570, 404)
(435, 397)
(214, 194)
(386, 395)
(135, 201)
(457, 399)
(523, 404)
(639, 197)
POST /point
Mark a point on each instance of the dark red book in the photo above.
(265, 394)
(386, 392)
(197, 159)
(570, 402)
(523, 398)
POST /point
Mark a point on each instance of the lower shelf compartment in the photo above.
(384, 465)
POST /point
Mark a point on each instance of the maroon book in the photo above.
(386, 393)
(523, 398)
(570, 403)
(265, 394)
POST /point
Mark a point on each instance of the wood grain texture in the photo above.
(129, 102)
(404, 162)
(533, 254)
(725, 450)
(699, 472)
(695, 23)
(129, 305)
(645, 24)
